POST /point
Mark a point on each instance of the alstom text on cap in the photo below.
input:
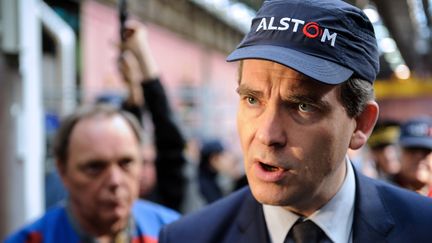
(310, 29)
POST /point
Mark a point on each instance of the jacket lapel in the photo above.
(372, 221)
(249, 225)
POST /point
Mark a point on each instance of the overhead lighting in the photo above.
(402, 72)
(372, 14)
(387, 45)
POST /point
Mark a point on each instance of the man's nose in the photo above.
(114, 176)
(271, 129)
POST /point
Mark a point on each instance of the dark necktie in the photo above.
(306, 232)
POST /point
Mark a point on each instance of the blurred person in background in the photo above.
(384, 150)
(162, 178)
(416, 155)
(361, 160)
(210, 156)
(148, 177)
(98, 156)
(218, 170)
(193, 200)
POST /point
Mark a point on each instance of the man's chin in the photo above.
(117, 216)
(270, 195)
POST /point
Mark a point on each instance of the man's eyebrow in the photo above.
(93, 162)
(311, 99)
(306, 98)
(244, 90)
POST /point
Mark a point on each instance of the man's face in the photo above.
(294, 133)
(416, 166)
(102, 171)
(148, 171)
(386, 158)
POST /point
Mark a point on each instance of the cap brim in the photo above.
(314, 67)
(416, 142)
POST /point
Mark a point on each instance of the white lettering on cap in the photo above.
(328, 36)
(311, 30)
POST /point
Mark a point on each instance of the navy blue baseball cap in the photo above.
(327, 40)
(417, 133)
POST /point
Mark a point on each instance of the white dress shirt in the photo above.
(335, 218)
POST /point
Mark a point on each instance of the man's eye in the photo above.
(125, 163)
(93, 168)
(251, 100)
(303, 107)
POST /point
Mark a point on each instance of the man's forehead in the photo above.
(256, 66)
(101, 126)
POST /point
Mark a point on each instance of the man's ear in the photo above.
(365, 123)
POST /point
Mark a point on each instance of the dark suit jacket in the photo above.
(383, 213)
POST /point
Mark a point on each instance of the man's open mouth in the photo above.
(269, 168)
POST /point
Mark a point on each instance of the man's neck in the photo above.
(90, 228)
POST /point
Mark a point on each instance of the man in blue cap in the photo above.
(306, 95)
(416, 155)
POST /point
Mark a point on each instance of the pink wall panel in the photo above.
(99, 36)
(180, 60)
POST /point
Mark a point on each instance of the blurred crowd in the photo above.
(181, 173)
(399, 153)
(114, 182)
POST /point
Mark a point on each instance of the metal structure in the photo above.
(409, 22)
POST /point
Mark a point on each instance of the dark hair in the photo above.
(62, 138)
(355, 93)
(209, 149)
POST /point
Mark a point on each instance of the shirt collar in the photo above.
(341, 207)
